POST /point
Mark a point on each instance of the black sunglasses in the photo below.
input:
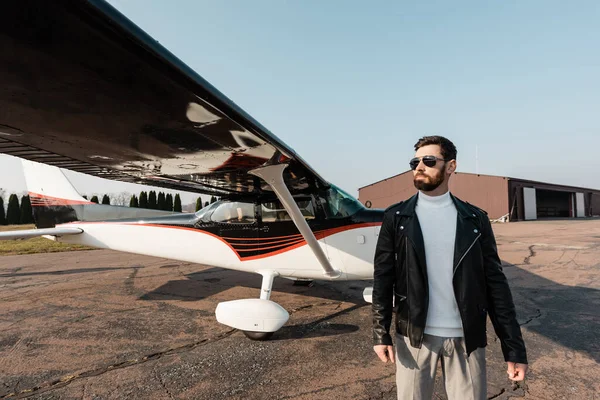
(429, 161)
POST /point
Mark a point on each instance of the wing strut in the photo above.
(273, 175)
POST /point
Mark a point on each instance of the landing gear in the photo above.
(265, 294)
(257, 318)
(260, 336)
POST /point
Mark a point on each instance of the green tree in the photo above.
(85, 197)
(152, 200)
(143, 202)
(105, 199)
(2, 213)
(162, 201)
(177, 203)
(169, 206)
(212, 199)
(133, 202)
(198, 203)
(95, 199)
(13, 213)
(206, 204)
(26, 211)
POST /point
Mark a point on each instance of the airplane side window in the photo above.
(234, 213)
(274, 211)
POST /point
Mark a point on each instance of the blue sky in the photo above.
(351, 86)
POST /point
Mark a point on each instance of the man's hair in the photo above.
(447, 147)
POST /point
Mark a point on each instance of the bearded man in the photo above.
(437, 269)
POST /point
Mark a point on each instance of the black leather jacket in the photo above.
(480, 286)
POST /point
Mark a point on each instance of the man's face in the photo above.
(427, 178)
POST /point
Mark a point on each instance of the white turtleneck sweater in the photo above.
(437, 217)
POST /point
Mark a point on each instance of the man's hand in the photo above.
(384, 352)
(516, 371)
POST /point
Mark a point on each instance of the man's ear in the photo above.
(451, 167)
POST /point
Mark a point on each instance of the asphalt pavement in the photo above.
(108, 325)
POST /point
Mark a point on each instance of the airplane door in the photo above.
(353, 248)
(237, 225)
(279, 234)
(351, 241)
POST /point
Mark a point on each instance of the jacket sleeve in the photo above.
(500, 302)
(383, 282)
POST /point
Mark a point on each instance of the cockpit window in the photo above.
(273, 211)
(234, 213)
(339, 204)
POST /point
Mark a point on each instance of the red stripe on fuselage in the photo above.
(269, 242)
(296, 244)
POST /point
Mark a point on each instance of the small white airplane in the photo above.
(84, 89)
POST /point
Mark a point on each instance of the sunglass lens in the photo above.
(429, 161)
(414, 163)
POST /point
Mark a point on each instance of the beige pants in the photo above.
(464, 378)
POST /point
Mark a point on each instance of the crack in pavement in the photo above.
(326, 303)
(517, 389)
(129, 282)
(497, 395)
(68, 379)
(532, 253)
(539, 314)
(327, 388)
(162, 383)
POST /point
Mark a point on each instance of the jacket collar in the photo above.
(407, 208)
(467, 229)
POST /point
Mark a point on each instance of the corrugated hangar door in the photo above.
(580, 205)
(529, 203)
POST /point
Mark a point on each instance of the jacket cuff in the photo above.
(383, 340)
(520, 358)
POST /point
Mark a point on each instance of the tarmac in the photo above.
(107, 325)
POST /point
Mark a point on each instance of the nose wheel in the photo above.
(258, 319)
(265, 294)
(259, 336)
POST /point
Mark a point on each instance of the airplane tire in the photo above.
(258, 335)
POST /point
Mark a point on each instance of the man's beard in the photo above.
(429, 184)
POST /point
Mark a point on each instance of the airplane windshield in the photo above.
(340, 204)
(204, 211)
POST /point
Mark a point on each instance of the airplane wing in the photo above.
(83, 88)
(30, 233)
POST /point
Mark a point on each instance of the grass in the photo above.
(34, 245)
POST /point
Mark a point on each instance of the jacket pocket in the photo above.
(399, 305)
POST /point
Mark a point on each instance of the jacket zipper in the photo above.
(464, 255)
(407, 302)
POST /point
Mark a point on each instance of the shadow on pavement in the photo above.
(201, 285)
(567, 315)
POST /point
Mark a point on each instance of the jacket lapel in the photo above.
(412, 229)
(467, 229)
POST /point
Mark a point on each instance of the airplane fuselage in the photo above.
(251, 246)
